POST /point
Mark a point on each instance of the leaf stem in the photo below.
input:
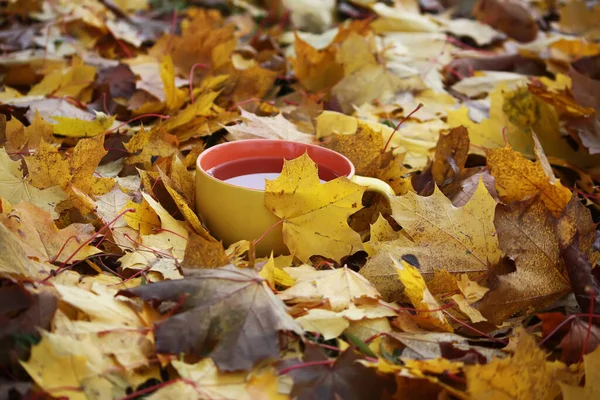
(306, 365)
(398, 126)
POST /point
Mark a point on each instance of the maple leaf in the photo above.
(520, 179)
(451, 155)
(147, 144)
(339, 287)
(225, 312)
(578, 18)
(526, 233)
(316, 69)
(172, 236)
(525, 375)
(314, 214)
(206, 39)
(345, 378)
(276, 127)
(421, 298)
(582, 338)
(363, 148)
(67, 368)
(35, 310)
(110, 324)
(18, 136)
(42, 240)
(174, 97)
(591, 390)
(14, 261)
(15, 188)
(457, 239)
(48, 168)
(70, 82)
(75, 127)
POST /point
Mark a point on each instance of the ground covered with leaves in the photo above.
(475, 281)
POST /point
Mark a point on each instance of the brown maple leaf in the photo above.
(226, 313)
(343, 379)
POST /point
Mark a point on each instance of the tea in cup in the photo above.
(230, 187)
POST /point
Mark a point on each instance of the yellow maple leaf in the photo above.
(109, 323)
(79, 128)
(47, 167)
(69, 368)
(314, 214)
(143, 219)
(316, 69)
(18, 136)
(457, 239)
(15, 188)
(14, 261)
(421, 298)
(339, 287)
(518, 178)
(70, 82)
(591, 390)
(150, 143)
(526, 375)
(174, 97)
(173, 236)
(41, 238)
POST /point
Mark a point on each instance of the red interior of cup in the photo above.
(264, 155)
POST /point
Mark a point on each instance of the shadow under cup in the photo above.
(233, 213)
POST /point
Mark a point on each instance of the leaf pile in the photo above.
(477, 279)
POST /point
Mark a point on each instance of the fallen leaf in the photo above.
(43, 241)
(148, 144)
(314, 214)
(590, 390)
(527, 233)
(74, 127)
(344, 378)
(450, 156)
(172, 236)
(203, 292)
(517, 178)
(338, 288)
(66, 371)
(111, 325)
(204, 253)
(174, 97)
(512, 17)
(579, 18)
(428, 314)
(525, 375)
(489, 132)
(15, 188)
(446, 237)
(277, 127)
(35, 310)
(583, 338)
(47, 167)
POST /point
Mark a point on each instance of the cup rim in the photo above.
(223, 147)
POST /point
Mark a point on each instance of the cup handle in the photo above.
(374, 184)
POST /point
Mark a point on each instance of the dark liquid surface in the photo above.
(251, 172)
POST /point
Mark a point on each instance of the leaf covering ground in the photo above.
(477, 279)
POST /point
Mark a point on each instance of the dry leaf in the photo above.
(314, 214)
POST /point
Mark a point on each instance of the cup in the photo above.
(233, 212)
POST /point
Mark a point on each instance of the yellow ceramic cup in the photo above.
(233, 213)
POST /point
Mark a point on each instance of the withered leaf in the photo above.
(450, 155)
(343, 379)
(526, 233)
(226, 313)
